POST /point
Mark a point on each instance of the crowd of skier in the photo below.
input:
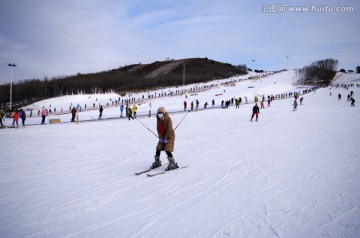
(128, 107)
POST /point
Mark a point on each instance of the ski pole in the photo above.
(146, 127)
(154, 133)
(180, 122)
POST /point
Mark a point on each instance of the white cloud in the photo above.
(65, 37)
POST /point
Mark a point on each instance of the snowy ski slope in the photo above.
(292, 174)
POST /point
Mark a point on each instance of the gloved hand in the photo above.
(163, 140)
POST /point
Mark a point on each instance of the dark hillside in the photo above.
(124, 79)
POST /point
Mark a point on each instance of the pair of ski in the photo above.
(158, 173)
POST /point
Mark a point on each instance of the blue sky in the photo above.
(50, 38)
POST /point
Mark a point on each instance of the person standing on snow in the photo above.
(237, 103)
(44, 113)
(205, 105)
(166, 142)
(73, 114)
(295, 104)
(121, 110)
(129, 113)
(16, 118)
(185, 105)
(134, 110)
(262, 104)
(101, 111)
(256, 112)
(1, 117)
(352, 102)
(150, 109)
(22, 116)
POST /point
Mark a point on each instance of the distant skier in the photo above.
(262, 104)
(185, 105)
(73, 114)
(227, 103)
(192, 105)
(1, 117)
(301, 100)
(150, 109)
(129, 113)
(205, 105)
(295, 104)
(22, 116)
(44, 113)
(237, 103)
(352, 102)
(166, 142)
(101, 109)
(16, 118)
(256, 112)
(121, 110)
(134, 110)
(339, 96)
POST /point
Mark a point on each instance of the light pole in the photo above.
(287, 63)
(12, 66)
(253, 64)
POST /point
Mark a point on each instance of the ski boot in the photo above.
(172, 164)
(157, 162)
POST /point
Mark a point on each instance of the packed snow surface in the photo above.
(291, 174)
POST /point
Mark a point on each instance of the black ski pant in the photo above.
(168, 153)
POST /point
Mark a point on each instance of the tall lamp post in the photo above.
(12, 66)
(287, 63)
(253, 65)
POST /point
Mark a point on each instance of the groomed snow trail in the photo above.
(292, 174)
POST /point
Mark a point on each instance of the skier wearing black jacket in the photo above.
(256, 112)
(352, 102)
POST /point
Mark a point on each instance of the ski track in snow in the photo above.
(292, 174)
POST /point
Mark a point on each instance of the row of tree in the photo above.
(350, 70)
(320, 72)
(122, 80)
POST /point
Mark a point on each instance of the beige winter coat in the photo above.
(165, 130)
